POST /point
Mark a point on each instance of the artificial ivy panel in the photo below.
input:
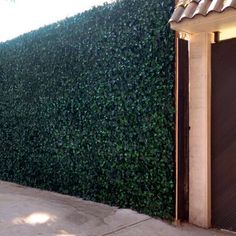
(86, 107)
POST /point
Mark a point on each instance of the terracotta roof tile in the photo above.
(229, 3)
(188, 9)
(177, 14)
(202, 8)
(216, 5)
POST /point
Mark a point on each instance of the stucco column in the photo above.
(200, 129)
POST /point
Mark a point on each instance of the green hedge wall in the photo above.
(86, 107)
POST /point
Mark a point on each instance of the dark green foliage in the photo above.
(86, 107)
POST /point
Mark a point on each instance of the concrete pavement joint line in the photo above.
(125, 227)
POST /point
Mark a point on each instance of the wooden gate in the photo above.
(224, 134)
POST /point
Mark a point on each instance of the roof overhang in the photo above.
(214, 22)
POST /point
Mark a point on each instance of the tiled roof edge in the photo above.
(189, 9)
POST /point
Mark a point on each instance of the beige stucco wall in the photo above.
(199, 134)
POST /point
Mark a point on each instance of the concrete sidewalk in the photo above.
(27, 212)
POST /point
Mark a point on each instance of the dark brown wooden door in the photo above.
(183, 130)
(224, 134)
